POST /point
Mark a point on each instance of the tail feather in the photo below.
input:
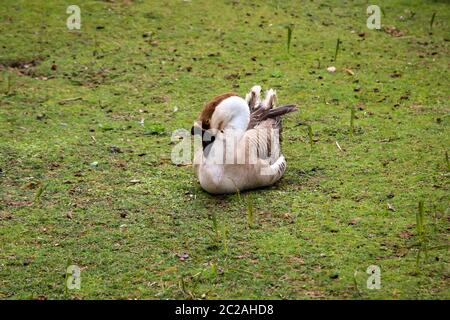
(259, 115)
(278, 112)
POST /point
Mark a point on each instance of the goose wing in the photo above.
(263, 135)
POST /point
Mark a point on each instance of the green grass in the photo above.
(140, 227)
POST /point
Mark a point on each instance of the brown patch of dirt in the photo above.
(21, 66)
(406, 235)
(4, 215)
(296, 260)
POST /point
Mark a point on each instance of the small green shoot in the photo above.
(214, 269)
(238, 193)
(419, 220)
(420, 227)
(352, 121)
(215, 225)
(432, 20)
(447, 160)
(225, 239)
(250, 217)
(310, 136)
(8, 83)
(183, 286)
(220, 235)
(338, 42)
(290, 29)
(355, 283)
(40, 191)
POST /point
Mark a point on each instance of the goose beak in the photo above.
(207, 136)
(207, 139)
(196, 130)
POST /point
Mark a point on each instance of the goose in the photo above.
(240, 142)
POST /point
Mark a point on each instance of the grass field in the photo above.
(84, 182)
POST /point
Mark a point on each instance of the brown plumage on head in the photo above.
(203, 124)
(210, 107)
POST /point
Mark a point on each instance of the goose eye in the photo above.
(205, 125)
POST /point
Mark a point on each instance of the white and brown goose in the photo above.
(240, 142)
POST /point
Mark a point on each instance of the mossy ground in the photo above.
(73, 98)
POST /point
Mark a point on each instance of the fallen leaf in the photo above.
(393, 31)
(349, 71)
(94, 164)
(182, 256)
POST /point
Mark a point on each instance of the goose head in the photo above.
(224, 113)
